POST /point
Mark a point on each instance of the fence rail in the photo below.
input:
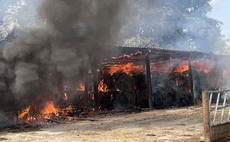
(216, 114)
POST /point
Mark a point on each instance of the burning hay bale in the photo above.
(125, 84)
(121, 101)
(121, 91)
(141, 90)
(184, 97)
(169, 97)
(165, 98)
(171, 90)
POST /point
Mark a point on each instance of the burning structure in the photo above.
(60, 69)
(159, 78)
(131, 78)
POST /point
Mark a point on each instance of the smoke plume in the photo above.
(76, 34)
(173, 24)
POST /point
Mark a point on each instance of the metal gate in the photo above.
(216, 115)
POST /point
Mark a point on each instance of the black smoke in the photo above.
(75, 35)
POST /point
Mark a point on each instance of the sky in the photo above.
(221, 12)
(16, 13)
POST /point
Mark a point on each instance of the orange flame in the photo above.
(65, 97)
(182, 65)
(128, 55)
(66, 110)
(181, 68)
(102, 87)
(25, 115)
(128, 68)
(173, 66)
(24, 112)
(205, 66)
(49, 109)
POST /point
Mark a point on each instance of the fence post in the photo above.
(206, 116)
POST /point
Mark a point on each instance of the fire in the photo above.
(123, 56)
(46, 112)
(49, 109)
(181, 68)
(102, 87)
(182, 65)
(173, 66)
(128, 68)
(128, 55)
(203, 65)
(24, 112)
(81, 86)
(25, 115)
(38, 111)
(65, 97)
(66, 110)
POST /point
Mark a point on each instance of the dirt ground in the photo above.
(184, 124)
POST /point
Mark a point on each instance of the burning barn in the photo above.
(132, 78)
(157, 78)
(59, 70)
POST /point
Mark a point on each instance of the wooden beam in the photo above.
(95, 86)
(149, 83)
(191, 86)
(206, 116)
(86, 92)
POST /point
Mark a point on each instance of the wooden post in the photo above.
(149, 84)
(191, 86)
(206, 116)
(86, 92)
(95, 86)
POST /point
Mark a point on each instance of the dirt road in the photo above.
(183, 124)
